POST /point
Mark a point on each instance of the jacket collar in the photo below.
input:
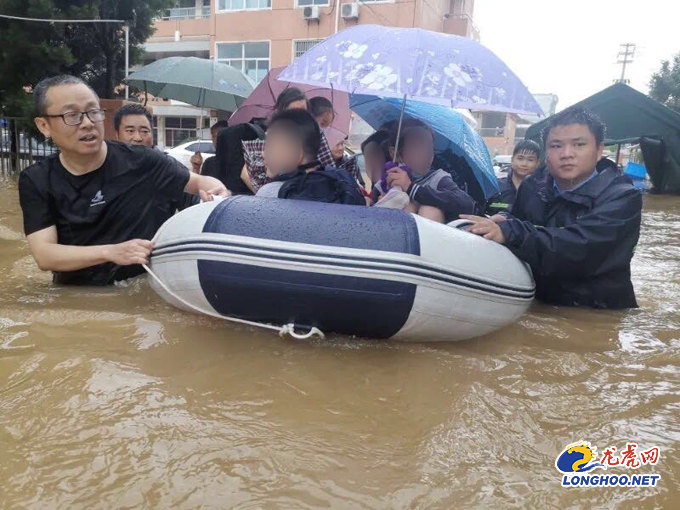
(586, 194)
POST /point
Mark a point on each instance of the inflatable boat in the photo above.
(366, 272)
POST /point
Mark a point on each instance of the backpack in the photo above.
(328, 185)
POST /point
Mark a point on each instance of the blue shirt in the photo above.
(558, 191)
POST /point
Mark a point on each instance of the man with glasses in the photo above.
(91, 210)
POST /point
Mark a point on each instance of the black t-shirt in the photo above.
(126, 198)
(229, 156)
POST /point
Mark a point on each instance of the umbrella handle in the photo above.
(401, 121)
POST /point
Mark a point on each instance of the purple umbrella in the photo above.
(260, 103)
(419, 64)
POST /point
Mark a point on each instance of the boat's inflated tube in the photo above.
(361, 271)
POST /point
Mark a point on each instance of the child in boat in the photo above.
(290, 156)
(433, 193)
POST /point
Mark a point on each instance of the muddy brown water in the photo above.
(111, 398)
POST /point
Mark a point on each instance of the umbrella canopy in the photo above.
(451, 132)
(196, 81)
(633, 117)
(260, 104)
(420, 64)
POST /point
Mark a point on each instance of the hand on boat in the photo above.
(135, 251)
(486, 227)
(209, 196)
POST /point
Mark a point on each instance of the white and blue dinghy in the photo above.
(368, 272)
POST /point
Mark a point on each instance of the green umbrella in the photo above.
(197, 81)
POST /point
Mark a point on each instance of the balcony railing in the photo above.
(187, 13)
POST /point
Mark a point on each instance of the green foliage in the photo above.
(665, 84)
(30, 51)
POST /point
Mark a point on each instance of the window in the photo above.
(251, 58)
(179, 130)
(243, 5)
(186, 9)
(305, 3)
(303, 46)
(180, 122)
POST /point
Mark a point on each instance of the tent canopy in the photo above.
(633, 117)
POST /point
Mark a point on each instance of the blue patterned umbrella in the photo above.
(419, 64)
(449, 127)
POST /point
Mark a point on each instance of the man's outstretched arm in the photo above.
(52, 256)
(205, 186)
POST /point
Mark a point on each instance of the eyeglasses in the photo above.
(76, 118)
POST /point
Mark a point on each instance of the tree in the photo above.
(99, 49)
(29, 51)
(665, 84)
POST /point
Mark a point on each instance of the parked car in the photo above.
(183, 152)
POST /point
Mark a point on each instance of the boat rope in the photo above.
(286, 329)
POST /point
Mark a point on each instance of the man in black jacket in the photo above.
(576, 227)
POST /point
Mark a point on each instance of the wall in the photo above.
(284, 23)
(111, 106)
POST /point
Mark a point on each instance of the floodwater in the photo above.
(111, 398)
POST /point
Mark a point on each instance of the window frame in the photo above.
(244, 9)
(243, 51)
(298, 6)
(295, 41)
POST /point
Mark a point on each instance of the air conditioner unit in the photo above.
(350, 11)
(311, 13)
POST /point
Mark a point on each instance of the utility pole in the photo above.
(126, 29)
(625, 57)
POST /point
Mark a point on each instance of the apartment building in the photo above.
(256, 35)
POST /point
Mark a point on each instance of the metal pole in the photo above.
(401, 121)
(396, 145)
(126, 29)
(337, 15)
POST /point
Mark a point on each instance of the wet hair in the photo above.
(382, 138)
(300, 125)
(320, 105)
(409, 129)
(288, 96)
(576, 116)
(527, 146)
(40, 90)
(130, 109)
(219, 126)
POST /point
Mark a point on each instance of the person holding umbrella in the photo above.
(432, 192)
(90, 210)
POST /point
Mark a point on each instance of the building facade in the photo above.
(257, 35)
(502, 131)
